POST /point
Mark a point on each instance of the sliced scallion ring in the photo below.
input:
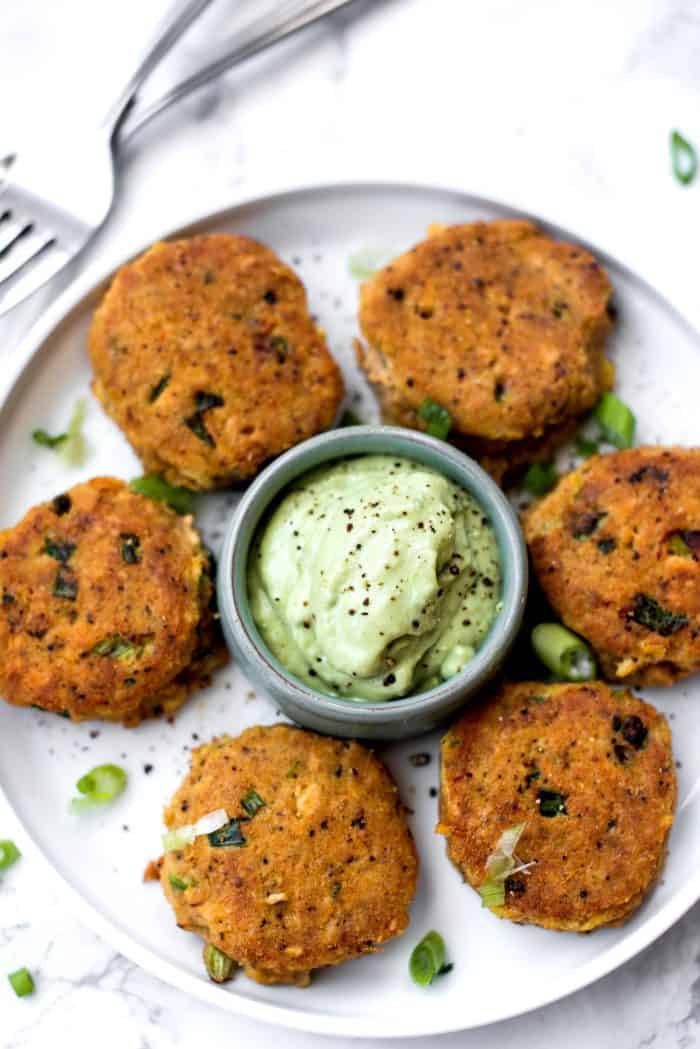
(540, 478)
(500, 865)
(684, 159)
(219, 966)
(428, 959)
(563, 652)
(153, 487)
(99, 786)
(616, 420)
(176, 839)
(73, 450)
(21, 982)
(9, 854)
(438, 418)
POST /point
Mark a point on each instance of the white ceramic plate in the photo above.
(500, 969)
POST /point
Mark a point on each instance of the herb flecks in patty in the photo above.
(116, 646)
(156, 390)
(204, 402)
(650, 614)
(131, 548)
(551, 803)
(60, 550)
(65, 586)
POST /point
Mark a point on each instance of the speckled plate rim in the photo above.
(86, 289)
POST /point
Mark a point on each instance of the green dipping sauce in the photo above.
(374, 578)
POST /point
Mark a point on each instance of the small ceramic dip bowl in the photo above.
(347, 717)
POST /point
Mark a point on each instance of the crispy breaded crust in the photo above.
(205, 355)
(607, 754)
(497, 322)
(105, 606)
(328, 868)
(603, 545)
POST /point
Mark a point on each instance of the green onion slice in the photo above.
(438, 418)
(45, 440)
(586, 448)
(428, 959)
(173, 840)
(154, 487)
(252, 803)
(364, 263)
(219, 966)
(684, 159)
(501, 863)
(564, 653)
(616, 420)
(540, 478)
(73, 450)
(99, 786)
(178, 883)
(9, 854)
(21, 982)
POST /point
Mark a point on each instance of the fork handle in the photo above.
(258, 35)
(159, 47)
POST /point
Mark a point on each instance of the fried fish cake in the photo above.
(499, 324)
(105, 606)
(204, 353)
(589, 772)
(317, 866)
(616, 549)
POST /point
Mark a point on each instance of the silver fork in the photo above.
(52, 204)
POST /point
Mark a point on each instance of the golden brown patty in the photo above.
(104, 610)
(615, 547)
(328, 868)
(599, 762)
(499, 324)
(204, 353)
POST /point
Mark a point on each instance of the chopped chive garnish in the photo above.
(195, 423)
(564, 653)
(99, 786)
(154, 487)
(586, 448)
(540, 478)
(65, 586)
(252, 803)
(428, 959)
(116, 647)
(551, 803)
(230, 835)
(59, 551)
(178, 883)
(616, 420)
(21, 982)
(45, 440)
(219, 966)
(684, 159)
(9, 854)
(500, 864)
(158, 389)
(204, 401)
(438, 418)
(280, 346)
(348, 418)
(131, 548)
(364, 263)
(174, 840)
(73, 450)
(650, 614)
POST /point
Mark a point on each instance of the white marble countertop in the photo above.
(562, 109)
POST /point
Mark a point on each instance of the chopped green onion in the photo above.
(174, 840)
(678, 546)
(586, 448)
(252, 803)
(45, 440)
(9, 854)
(158, 389)
(438, 418)
(684, 159)
(178, 883)
(154, 487)
(116, 647)
(364, 263)
(428, 959)
(500, 864)
(21, 982)
(59, 551)
(564, 653)
(540, 478)
(65, 586)
(650, 614)
(73, 450)
(131, 548)
(219, 966)
(616, 420)
(230, 835)
(99, 786)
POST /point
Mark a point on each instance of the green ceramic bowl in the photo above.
(399, 718)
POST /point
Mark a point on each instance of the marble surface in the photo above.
(562, 109)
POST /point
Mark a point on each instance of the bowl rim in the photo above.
(344, 443)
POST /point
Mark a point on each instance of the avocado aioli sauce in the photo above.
(374, 578)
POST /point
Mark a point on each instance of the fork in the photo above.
(51, 208)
